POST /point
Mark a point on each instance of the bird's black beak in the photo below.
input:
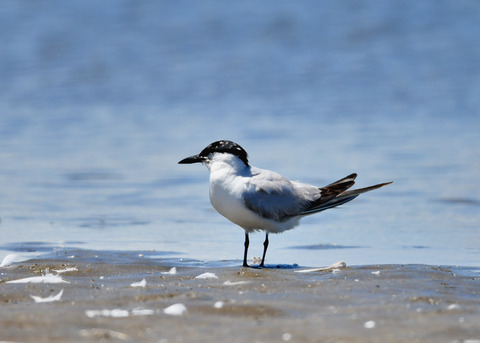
(192, 159)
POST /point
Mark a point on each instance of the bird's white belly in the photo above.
(232, 207)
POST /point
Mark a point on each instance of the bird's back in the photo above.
(275, 197)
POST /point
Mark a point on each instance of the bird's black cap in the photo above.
(224, 146)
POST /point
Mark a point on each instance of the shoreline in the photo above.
(132, 298)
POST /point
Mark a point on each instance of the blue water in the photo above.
(100, 100)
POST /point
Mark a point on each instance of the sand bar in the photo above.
(131, 298)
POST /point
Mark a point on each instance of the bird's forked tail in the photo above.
(336, 194)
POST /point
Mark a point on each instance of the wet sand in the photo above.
(381, 303)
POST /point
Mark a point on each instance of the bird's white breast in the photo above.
(226, 191)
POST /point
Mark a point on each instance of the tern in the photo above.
(261, 200)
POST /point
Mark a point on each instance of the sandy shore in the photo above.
(384, 303)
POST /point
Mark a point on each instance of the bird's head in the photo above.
(218, 151)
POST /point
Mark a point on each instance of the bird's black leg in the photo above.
(246, 244)
(265, 246)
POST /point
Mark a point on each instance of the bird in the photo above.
(262, 200)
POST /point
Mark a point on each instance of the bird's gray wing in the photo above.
(272, 196)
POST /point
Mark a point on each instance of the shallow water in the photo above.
(98, 103)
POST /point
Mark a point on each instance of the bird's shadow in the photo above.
(276, 266)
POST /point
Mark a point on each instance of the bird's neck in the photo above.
(227, 164)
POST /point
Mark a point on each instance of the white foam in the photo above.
(8, 260)
(175, 310)
(115, 313)
(235, 283)
(119, 313)
(47, 278)
(207, 276)
(47, 299)
(453, 307)
(218, 304)
(335, 268)
(142, 283)
(66, 270)
(369, 324)
(172, 271)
